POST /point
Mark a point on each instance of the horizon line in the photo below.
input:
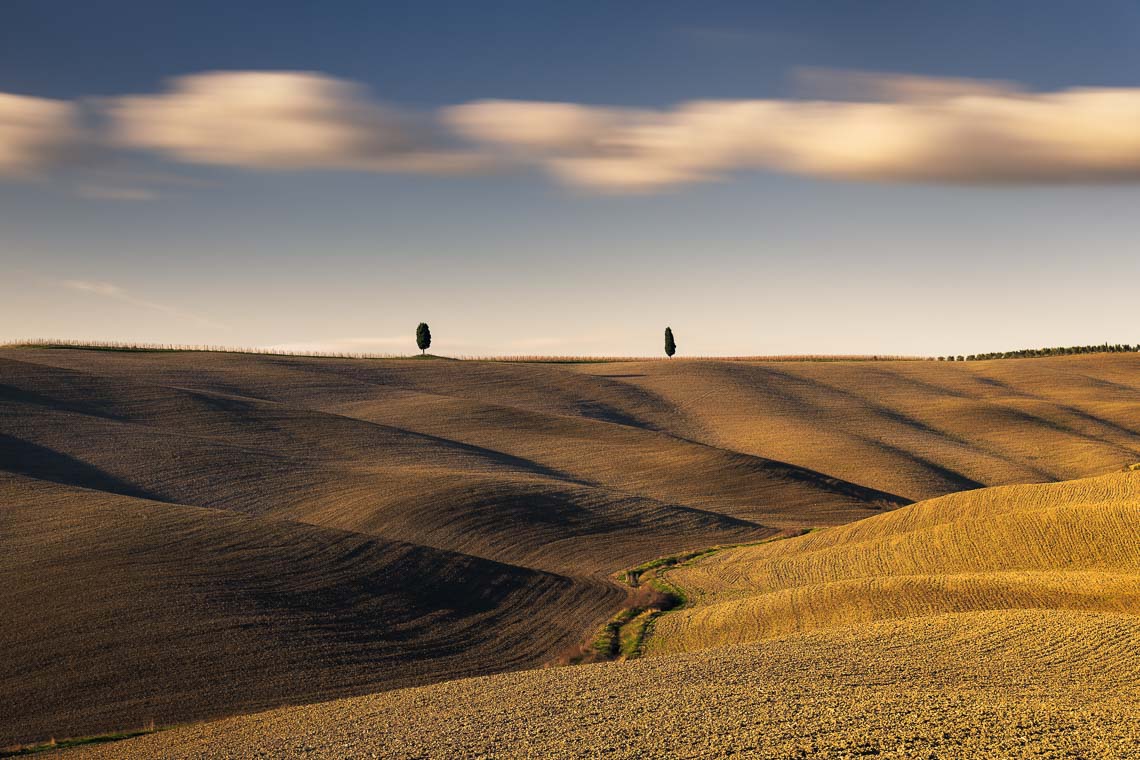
(144, 346)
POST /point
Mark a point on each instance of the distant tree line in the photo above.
(1025, 353)
(424, 341)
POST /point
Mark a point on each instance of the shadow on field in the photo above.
(32, 460)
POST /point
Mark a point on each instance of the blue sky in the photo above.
(149, 239)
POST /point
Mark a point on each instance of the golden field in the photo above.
(1073, 545)
(983, 684)
(1000, 623)
(192, 536)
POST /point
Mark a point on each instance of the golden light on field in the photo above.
(356, 518)
(1071, 545)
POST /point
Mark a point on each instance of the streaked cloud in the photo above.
(818, 83)
(852, 126)
(99, 288)
(918, 130)
(112, 291)
(537, 126)
(280, 120)
(35, 134)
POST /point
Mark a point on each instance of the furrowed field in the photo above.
(192, 536)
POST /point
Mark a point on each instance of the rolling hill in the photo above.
(353, 526)
(1001, 622)
(1067, 546)
(120, 611)
(915, 429)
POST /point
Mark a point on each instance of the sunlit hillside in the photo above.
(1065, 546)
(915, 429)
(233, 532)
(1002, 622)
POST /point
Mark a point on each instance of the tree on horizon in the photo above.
(670, 345)
(423, 337)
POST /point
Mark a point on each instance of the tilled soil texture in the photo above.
(192, 535)
(1071, 545)
(1020, 684)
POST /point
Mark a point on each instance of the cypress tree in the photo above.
(670, 346)
(423, 337)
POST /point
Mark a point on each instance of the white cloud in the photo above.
(280, 120)
(99, 288)
(35, 134)
(916, 129)
(538, 126)
(110, 290)
(857, 126)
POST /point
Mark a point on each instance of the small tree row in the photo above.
(423, 342)
(1027, 353)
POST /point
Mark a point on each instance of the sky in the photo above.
(912, 178)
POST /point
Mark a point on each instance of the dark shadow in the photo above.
(829, 483)
(32, 460)
(1082, 414)
(597, 410)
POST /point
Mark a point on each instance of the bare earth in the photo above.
(1000, 622)
(186, 537)
(996, 684)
